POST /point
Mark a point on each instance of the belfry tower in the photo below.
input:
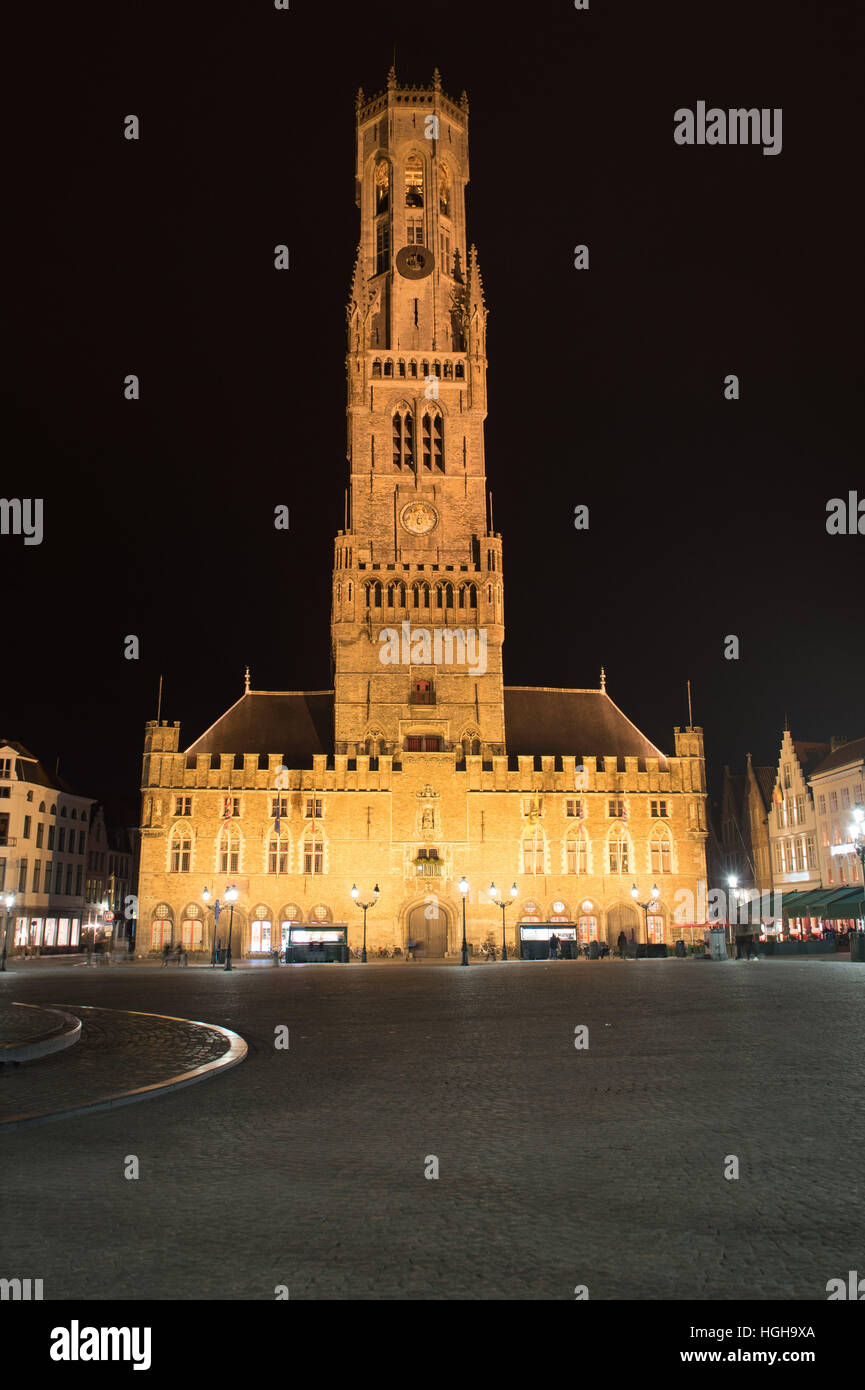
(417, 621)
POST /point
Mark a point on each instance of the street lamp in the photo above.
(857, 836)
(9, 900)
(653, 901)
(464, 888)
(355, 893)
(231, 896)
(217, 908)
(504, 907)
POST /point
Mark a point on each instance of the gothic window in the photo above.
(388, 367)
(533, 851)
(576, 852)
(617, 848)
(278, 854)
(401, 367)
(444, 191)
(376, 367)
(181, 851)
(449, 595)
(403, 437)
(473, 596)
(439, 595)
(390, 594)
(382, 246)
(433, 439)
(382, 187)
(660, 847)
(313, 854)
(229, 850)
(414, 368)
(400, 595)
(445, 244)
(376, 594)
(656, 928)
(414, 182)
(449, 371)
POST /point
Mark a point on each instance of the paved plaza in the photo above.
(601, 1166)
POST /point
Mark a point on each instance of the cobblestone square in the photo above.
(558, 1166)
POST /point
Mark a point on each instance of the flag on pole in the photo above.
(624, 814)
(227, 812)
(278, 801)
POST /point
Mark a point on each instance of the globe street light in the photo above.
(653, 902)
(231, 896)
(504, 907)
(9, 901)
(464, 888)
(355, 893)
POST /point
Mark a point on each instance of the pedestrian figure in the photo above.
(184, 959)
(554, 946)
(166, 954)
(622, 943)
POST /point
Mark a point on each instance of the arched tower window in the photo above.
(181, 850)
(576, 855)
(433, 439)
(229, 850)
(533, 851)
(444, 191)
(617, 849)
(382, 187)
(403, 437)
(414, 182)
(660, 852)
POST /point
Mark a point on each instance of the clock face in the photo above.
(415, 262)
(418, 518)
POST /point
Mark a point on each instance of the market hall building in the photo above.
(419, 769)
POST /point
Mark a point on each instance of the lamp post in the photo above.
(504, 907)
(217, 908)
(737, 894)
(464, 888)
(9, 901)
(653, 902)
(355, 893)
(231, 896)
(857, 836)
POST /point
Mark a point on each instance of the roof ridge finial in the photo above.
(437, 80)
(391, 77)
(246, 682)
(603, 681)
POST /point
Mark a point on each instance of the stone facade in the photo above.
(420, 767)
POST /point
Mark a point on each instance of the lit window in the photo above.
(313, 855)
(414, 183)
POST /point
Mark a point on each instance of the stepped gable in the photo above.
(577, 723)
(293, 723)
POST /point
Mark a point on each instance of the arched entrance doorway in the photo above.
(624, 918)
(427, 926)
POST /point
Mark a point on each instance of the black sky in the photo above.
(605, 388)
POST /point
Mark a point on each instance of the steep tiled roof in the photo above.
(297, 724)
(850, 752)
(293, 723)
(576, 723)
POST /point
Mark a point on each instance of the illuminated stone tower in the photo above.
(417, 619)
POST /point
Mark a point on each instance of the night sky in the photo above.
(707, 517)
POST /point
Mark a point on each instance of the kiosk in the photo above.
(318, 944)
(535, 940)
